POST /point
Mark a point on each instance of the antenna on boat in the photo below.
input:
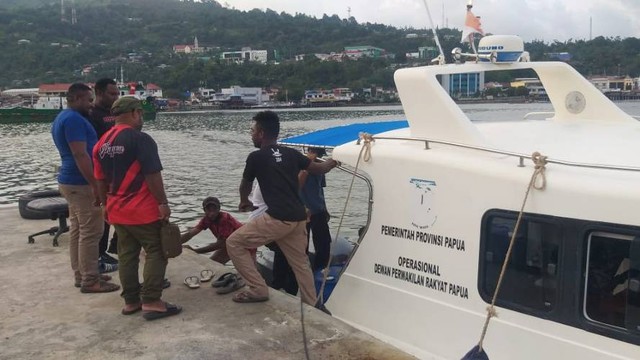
(440, 59)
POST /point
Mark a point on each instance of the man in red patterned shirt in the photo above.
(221, 224)
(128, 170)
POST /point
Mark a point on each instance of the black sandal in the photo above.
(223, 280)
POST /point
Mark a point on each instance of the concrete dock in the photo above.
(43, 316)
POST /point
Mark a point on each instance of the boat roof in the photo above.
(339, 135)
(616, 145)
(585, 127)
(593, 142)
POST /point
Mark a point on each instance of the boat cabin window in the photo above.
(612, 284)
(577, 272)
(530, 282)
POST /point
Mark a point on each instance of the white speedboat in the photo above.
(446, 195)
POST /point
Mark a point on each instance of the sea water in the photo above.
(203, 154)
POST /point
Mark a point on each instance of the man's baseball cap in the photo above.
(211, 201)
(125, 104)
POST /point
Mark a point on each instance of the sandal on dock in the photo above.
(132, 311)
(154, 315)
(246, 297)
(223, 280)
(103, 288)
(103, 277)
(234, 285)
(206, 275)
(192, 282)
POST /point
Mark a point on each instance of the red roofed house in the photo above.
(188, 49)
(52, 96)
(154, 90)
(59, 89)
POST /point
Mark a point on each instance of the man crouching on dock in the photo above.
(127, 167)
(276, 168)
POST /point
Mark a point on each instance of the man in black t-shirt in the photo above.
(284, 222)
(106, 94)
(102, 120)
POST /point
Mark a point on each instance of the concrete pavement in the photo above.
(43, 316)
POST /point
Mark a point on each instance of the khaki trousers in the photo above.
(85, 230)
(132, 238)
(291, 237)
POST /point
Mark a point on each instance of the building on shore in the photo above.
(52, 96)
(235, 96)
(614, 83)
(139, 90)
(194, 48)
(245, 55)
(463, 85)
(328, 97)
(357, 52)
(533, 85)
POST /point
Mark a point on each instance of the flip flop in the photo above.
(223, 280)
(166, 283)
(154, 315)
(103, 277)
(192, 282)
(231, 287)
(246, 297)
(104, 287)
(131, 312)
(206, 275)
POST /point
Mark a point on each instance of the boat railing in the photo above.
(356, 245)
(538, 113)
(520, 156)
(551, 113)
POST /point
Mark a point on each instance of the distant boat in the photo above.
(145, 93)
(27, 115)
(45, 110)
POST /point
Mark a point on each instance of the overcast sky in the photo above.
(546, 20)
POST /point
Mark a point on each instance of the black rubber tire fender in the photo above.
(23, 200)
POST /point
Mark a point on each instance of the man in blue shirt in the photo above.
(312, 194)
(74, 138)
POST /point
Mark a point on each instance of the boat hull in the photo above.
(26, 115)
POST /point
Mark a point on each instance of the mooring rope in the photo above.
(304, 331)
(365, 154)
(540, 162)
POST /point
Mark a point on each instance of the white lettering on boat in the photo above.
(424, 237)
(453, 243)
(398, 232)
(422, 280)
(418, 265)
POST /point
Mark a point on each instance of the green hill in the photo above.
(139, 35)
